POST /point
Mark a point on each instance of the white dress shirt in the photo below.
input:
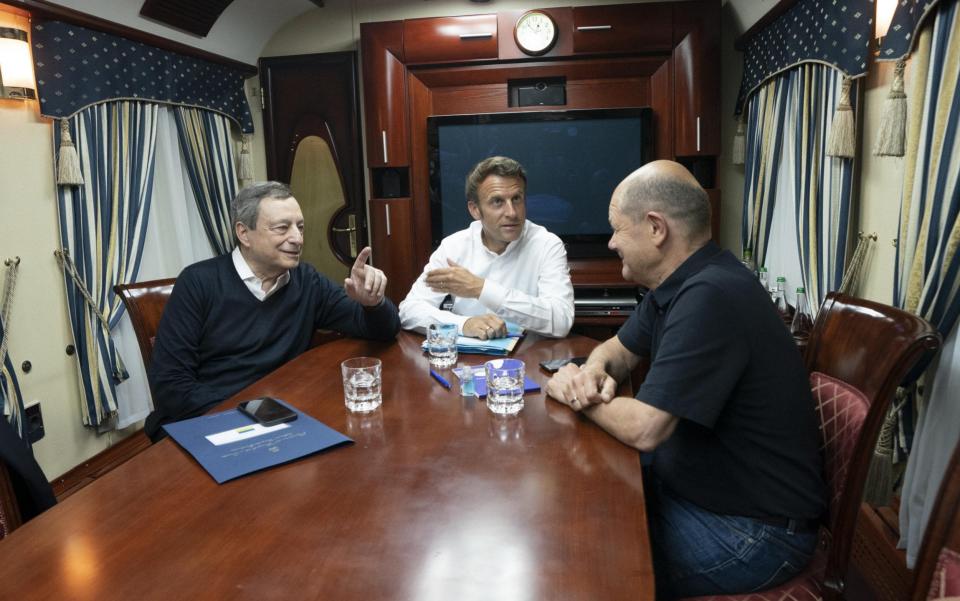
(255, 284)
(528, 283)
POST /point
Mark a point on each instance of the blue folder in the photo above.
(480, 380)
(493, 346)
(303, 437)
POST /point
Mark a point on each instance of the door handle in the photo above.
(352, 229)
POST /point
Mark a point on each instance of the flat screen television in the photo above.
(573, 159)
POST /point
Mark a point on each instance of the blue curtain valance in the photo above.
(832, 32)
(906, 21)
(78, 67)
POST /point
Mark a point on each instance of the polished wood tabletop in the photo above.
(437, 499)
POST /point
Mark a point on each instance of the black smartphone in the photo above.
(555, 364)
(267, 411)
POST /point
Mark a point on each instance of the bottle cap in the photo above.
(800, 290)
(763, 269)
(781, 279)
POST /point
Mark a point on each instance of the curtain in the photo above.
(175, 238)
(11, 402)
(926, 278)
(766, 119)
(102, 227)
(208, 158)
(823, 185)
(786, 169)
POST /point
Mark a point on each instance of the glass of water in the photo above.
(361, 383)
(442, 344)
(505, 386)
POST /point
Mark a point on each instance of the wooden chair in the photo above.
(858, 353)
(24, 489)
(145, 302)
(937, 575)
(9, 508)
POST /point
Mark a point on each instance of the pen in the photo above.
(440, 379)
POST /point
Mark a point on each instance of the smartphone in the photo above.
(555, 364)
(267, 411)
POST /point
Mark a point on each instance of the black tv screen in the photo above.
(573, 159)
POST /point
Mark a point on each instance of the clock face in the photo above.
(535, 32)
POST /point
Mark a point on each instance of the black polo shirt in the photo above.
(722, 361)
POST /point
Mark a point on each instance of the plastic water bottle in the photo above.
(764, 277)
(780, 300)
(802, 322)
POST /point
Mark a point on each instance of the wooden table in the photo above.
(437, 499)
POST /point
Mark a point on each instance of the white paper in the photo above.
(242, 433)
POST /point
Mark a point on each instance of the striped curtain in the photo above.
(208, 155)
(11, 402)
(822, 184)
(766, 120)
(788, 122)
(102, 229)
(926, 278)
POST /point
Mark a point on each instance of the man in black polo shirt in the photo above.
(734, 480)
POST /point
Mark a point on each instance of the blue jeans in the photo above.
(697, 552)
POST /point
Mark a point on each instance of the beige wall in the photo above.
(28, 226)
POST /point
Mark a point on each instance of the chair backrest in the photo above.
(9, 508)
(145, 302)
(859, 352)
(937, 574)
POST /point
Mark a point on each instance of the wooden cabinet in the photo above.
(696, 95)
(391, 228)
(447, 39)
(385, 95)
(623, 28)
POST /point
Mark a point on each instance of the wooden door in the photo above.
(312, 138)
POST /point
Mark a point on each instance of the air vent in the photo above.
(193, 16)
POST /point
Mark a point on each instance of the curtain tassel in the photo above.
(68, 163)
(738, 152)
(842, 141)
(893, 124)
(245, 168)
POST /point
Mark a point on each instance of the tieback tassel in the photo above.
(842, 141)
(245, 165)
(738, 151)
(893, 123)
(68, 162)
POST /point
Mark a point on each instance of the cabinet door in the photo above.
(622, 28)
(445, 39)
(696, 92)
(391, 237)
(384, 93)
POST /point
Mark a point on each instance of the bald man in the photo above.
(725, 415)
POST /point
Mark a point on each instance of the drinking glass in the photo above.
(505, 386)
(442, 344)
(361, 383)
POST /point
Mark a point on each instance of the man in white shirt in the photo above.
(501, 268)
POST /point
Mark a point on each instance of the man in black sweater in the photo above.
(234, 318)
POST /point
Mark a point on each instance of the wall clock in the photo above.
(535, 32)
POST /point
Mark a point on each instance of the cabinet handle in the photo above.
(475, 36)
(387, 209)
(384, 132)
(698, 134)
(594, 27)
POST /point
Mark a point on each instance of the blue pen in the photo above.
(441, 379)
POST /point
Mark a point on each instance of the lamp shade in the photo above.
(16, 67)
(885, 10)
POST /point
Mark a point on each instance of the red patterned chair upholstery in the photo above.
(859, 352)
(937, 574)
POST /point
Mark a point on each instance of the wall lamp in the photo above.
(884, 16)
(16, 67)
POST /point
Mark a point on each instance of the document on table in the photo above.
(229, 444)
(494, 346)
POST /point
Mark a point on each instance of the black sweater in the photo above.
(216, 338)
